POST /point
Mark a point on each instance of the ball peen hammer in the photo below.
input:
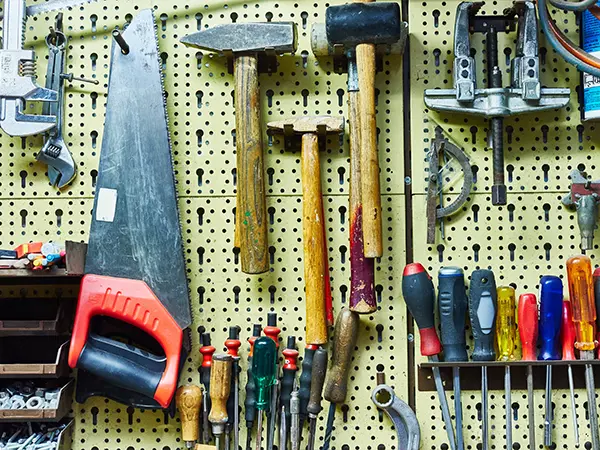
(245, 41)
(313, 231)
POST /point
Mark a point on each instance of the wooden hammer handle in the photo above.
(369, 160)
(189, 402)
(251, 226)
(313, 237)
(362, 270)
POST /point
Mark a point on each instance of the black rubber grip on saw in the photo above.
(452, 304)
(363, 23)
(305, 381)
(483, 304)
(122, 365)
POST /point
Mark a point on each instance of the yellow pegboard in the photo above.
(532, 235)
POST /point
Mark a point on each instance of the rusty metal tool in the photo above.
(442, 147)
(313, 232)
(584, 198)
(244, 42)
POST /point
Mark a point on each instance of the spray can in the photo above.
(590, 36)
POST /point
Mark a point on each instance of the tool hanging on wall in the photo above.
(441, 148)
(135, 290)
(244, 42)
(402, 416)
(313, 231)
(361, 26)
(17, 72)
(525, 94)
(189, 402)
(527, 314)
(584, 198)
(55, 153)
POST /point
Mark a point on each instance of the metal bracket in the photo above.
(584, 198)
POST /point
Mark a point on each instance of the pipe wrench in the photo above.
(55, 152)
(17, 78)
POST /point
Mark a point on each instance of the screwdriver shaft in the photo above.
(591, 395)
(508, 407)
(439, 387)
(282, 430)
(236, 413)
(531, 407)
(205, 425)
(312, 430)
(548, 413)
(460, 445)
(329, 429)
(484, 408)
(259, 429)
(573, 410)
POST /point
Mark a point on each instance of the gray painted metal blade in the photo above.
(280, 37)
(53, 5)
(143, 239)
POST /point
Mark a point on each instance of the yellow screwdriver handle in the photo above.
(506, 331)
(581, 293)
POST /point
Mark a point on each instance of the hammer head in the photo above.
(308, 124)
(276, 37)
(363, 23)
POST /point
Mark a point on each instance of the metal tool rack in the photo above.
(530, 236)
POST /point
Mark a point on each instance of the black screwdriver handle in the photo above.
(305, 380)
(483, 304)
(319, 370)
(418, 293)
(452, 303)
(250, 401)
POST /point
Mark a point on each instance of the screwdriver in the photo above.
(551, 300)
(581, 293)
(233, 344)
(250, 402)
(506, 336)
(220, 386)
(290, 368)
(316, 391)
(483, 303)
(295, 413)
(305, 380)
(528, 332)
(344, 341)
(189, 402)
(452, 304)
(418, 293)
(568, 354)
(207, 351)
(272, 331)
(597, 297)
(264, 368)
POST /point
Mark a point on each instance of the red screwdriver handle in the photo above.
(568, 332)
(528, 325)
(418, 293)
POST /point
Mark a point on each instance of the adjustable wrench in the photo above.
(403, 417)
(17, 78)
(55, 152)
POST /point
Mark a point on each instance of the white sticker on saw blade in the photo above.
(106, 205)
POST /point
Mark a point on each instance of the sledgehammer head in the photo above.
(277, 37)
(308, 124)
(363, 23)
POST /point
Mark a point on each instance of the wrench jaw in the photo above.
(15, 123)
(402, 416)
(61, 166)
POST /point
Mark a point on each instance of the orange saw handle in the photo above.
(128, 367)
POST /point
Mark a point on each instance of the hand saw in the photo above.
(135, 270)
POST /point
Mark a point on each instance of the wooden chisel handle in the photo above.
(313, 237)
(251, 212)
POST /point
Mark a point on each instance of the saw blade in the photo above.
(53, 5)
(135, 230)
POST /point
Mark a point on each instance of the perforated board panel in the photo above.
(532, 235)
(201, 111)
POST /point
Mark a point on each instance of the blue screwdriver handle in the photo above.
(551, 299)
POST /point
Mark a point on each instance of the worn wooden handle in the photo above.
(220, 386)
(251, 227)
(344, 341)
(369, 160)
(189, 402)
(362, 270)
(313, 237)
